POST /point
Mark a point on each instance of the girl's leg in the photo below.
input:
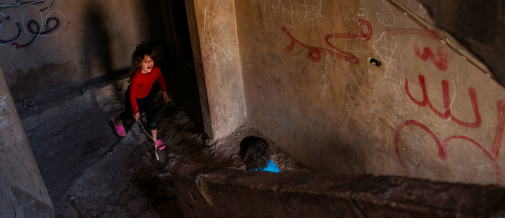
(127, 114)
(118, 121)
(153, 133)
(159, 144)
(152, 122)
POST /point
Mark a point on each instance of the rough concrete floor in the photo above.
(91, 172)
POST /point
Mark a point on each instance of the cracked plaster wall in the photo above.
(51, 47)
(298, 72)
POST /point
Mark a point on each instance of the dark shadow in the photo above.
(477, 25)
(75, 139)
(182, 31)
(97, 52)
(79, 153)
(181, 82)
(180, 75)
(182, 86)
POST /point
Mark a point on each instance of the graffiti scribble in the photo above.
(37, 32)
(21, 4)
(411, 31)
(442, 148)
(314, 53)
(16, 44)
(68, 24)
(18, 34)
(492, 153)
(447, 107)
(440, 60)
(32, 27)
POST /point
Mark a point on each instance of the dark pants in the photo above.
(146, 104)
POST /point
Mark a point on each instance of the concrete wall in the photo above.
(203, 191)
(200, 76)
(425, 112)
(479, 25)
(22, 190)
(224, 83)
(59, 45)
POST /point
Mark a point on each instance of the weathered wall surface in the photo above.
(425, 112)
(22, 190)
(220, 58)
(213, 192)
(198, 65)
(478, 25)
(52, 44)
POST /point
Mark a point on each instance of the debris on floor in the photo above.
(79, 154)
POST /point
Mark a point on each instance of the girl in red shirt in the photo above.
(139, 93)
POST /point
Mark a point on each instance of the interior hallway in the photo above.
(69, 82)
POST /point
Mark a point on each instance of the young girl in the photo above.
(139, 93)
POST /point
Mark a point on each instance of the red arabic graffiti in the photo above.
(447, 107)
(440, 60)
(492, 154)
(427, 33)
(68, 24)
(16, 44)
(314, 53)
(442, 148)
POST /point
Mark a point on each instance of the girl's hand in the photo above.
(165, 96)
(136, 116)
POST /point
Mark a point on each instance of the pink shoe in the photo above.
(160, 144)
(119, 129)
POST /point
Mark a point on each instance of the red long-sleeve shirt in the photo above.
(141, 85)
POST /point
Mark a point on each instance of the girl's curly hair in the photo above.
(255, 152)
(140, 52)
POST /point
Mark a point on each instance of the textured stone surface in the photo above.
(479, 25)
(325, 196)
(300, 72)
(86, 41)
(234, 193)
(198, 66)
(22, 190)
(79, 154)
(224, 82)
(423, 198)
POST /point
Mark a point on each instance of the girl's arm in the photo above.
(133, 96)
(161, 81)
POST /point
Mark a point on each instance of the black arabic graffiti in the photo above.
(32, 25)
(20, 4)
(17, 35)
(37, 32)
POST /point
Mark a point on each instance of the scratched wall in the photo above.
(200, 75)
(60, 44)
(22, 190)
(425, 112)
(217, 34)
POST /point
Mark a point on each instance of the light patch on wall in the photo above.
(216, 37)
